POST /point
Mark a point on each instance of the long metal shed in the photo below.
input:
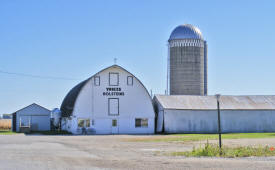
(198, 114)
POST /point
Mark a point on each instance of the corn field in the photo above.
(5, 124)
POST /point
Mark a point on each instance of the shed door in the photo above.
(40, 123)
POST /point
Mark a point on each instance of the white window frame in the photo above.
(117, 82)
(130, 80)
(109, 109)
(86, 121)
(144, 123)
(97, 83)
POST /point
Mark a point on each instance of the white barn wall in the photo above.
(136, 103)
(205, 121)
(190, 121)
(248, 120)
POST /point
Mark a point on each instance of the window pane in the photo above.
(97, 81)
(113, 106)
(144, 122)
(87, 122)
(130, 80)
(80, 123)
(138, 122)
(113, 79)
(114, 122)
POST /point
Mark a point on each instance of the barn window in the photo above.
(130, 80)
(87, 122)
(97, 81)
(141, 122)
(113, 106)
(83, 123)
(113, 79)
(80, 122)
(114, 122)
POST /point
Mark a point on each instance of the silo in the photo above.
(187, 62)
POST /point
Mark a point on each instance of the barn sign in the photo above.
(113, 92)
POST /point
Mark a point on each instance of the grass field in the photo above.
(5, 124)
(200, 137)
(213, 150)
(7, 132)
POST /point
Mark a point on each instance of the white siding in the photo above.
(200, 121)
(135, 103)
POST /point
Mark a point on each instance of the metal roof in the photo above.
(32, 105)
(186, 102)
(67, 105)
(186, 31)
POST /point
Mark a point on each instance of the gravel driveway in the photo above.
(115, 152)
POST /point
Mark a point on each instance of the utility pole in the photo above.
(219, 122)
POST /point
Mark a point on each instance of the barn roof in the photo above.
(188, 102)
(69, 101)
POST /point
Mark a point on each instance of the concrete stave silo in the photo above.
(187, 62)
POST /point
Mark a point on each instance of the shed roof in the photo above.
(34, 104)
(188, 102)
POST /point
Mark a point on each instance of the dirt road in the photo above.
(115, 152)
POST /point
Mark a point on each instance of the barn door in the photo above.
(113, 106)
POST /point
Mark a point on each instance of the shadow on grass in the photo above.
(47, 133)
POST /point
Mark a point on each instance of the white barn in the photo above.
(33, 117)
(113, 101)
(198, 114)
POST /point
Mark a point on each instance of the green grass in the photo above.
(201, 137)
(227, 136)
(7, 132)
(212, 150)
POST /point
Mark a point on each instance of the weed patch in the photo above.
(213, 150)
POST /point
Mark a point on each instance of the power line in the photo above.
(37, 76)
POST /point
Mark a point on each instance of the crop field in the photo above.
(5, 124)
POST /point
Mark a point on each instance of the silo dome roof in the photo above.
(186, 31)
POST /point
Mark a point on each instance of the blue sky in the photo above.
(75, 39)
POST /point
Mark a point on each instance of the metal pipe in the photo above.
(219, 122)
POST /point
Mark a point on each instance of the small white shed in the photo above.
(34, 117)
